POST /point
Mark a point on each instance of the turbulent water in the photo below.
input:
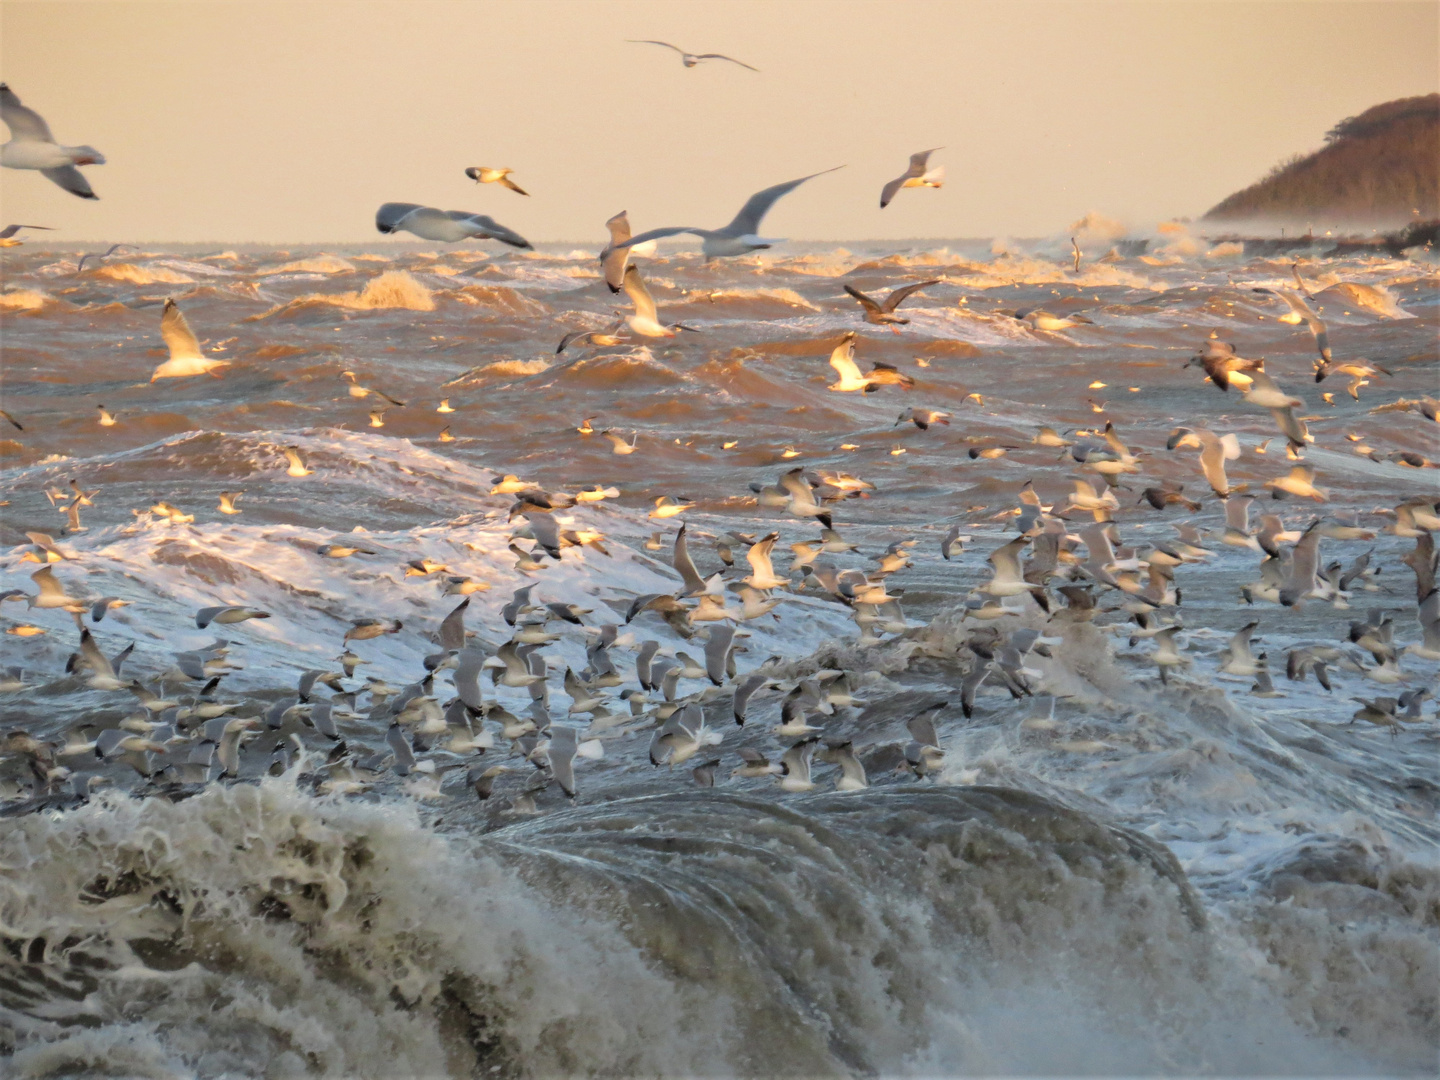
(1110, 876)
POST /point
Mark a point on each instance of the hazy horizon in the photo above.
(271, 123)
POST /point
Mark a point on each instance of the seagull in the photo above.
(739, 237)
(101, 257)
(444, 226)
(358, 391)
(107, 418)
(1008, 579)
(852, 774)
(297, 467)
(1044, 320)
(186, 358)
(618, 443)
(226, 614)
(52, 593)
(883, 313)
(923, 754)
(1264, 392)
(228, 499)
(562, 750)
(1239, 660)
(644, 322)
(587, 338)
(842, 359)
(616, 255)
(917, 175)
(7, 234)
(482, 174)
(1214, 449)
(1360, 372)
(923, 418)
(1223, 366)
(690, 59)
(795, 766)
(1299, 482)
(365, 629)
(1302, 312)
(31, 146)
(1166, 654)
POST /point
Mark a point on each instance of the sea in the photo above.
(1105, 874)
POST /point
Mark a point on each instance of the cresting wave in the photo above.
(258, 929)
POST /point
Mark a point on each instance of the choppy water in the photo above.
(1114, 876)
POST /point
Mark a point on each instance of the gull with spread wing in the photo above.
(741, 236)
(443, 226)
(31, 146)
(919, 174)
(690, 59)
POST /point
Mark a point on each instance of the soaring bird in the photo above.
(1300, 311)
(31, 146)
(645, 321)
(690, 59)
(185, 355)
(740, 236)
(919, 174)
(483, 174)
(1214, 449)
(842, 359)
(443, 226)
(1223, 366)
(7, 234)
(883, 313)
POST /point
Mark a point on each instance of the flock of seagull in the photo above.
(188, 731)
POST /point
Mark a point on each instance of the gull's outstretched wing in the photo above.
(639, 295)
(865, 301)
(179, 338)
(660, 234)
(493, 229)
(896, 298)
(919, 162)
(71, 179)
(722, 56)
(647, 41)
(843, 360)
(747, 221)
(613, 258)
(26, 125)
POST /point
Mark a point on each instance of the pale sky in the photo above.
(291, 122)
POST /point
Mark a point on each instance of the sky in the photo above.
(292, 122)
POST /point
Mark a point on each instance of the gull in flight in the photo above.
(297, 466)
(31, 146)
(1302, 312)
(1044, 320)
(590, 338)
(851, 378)
(690, 59)
(443, 226)
(740, 237)
(1214, 449)
(919, 174)
(185, 355)
(1223, 365)
(645, 321)
(7, 234)
(883, 313)
(101, 257)
(483, 174)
